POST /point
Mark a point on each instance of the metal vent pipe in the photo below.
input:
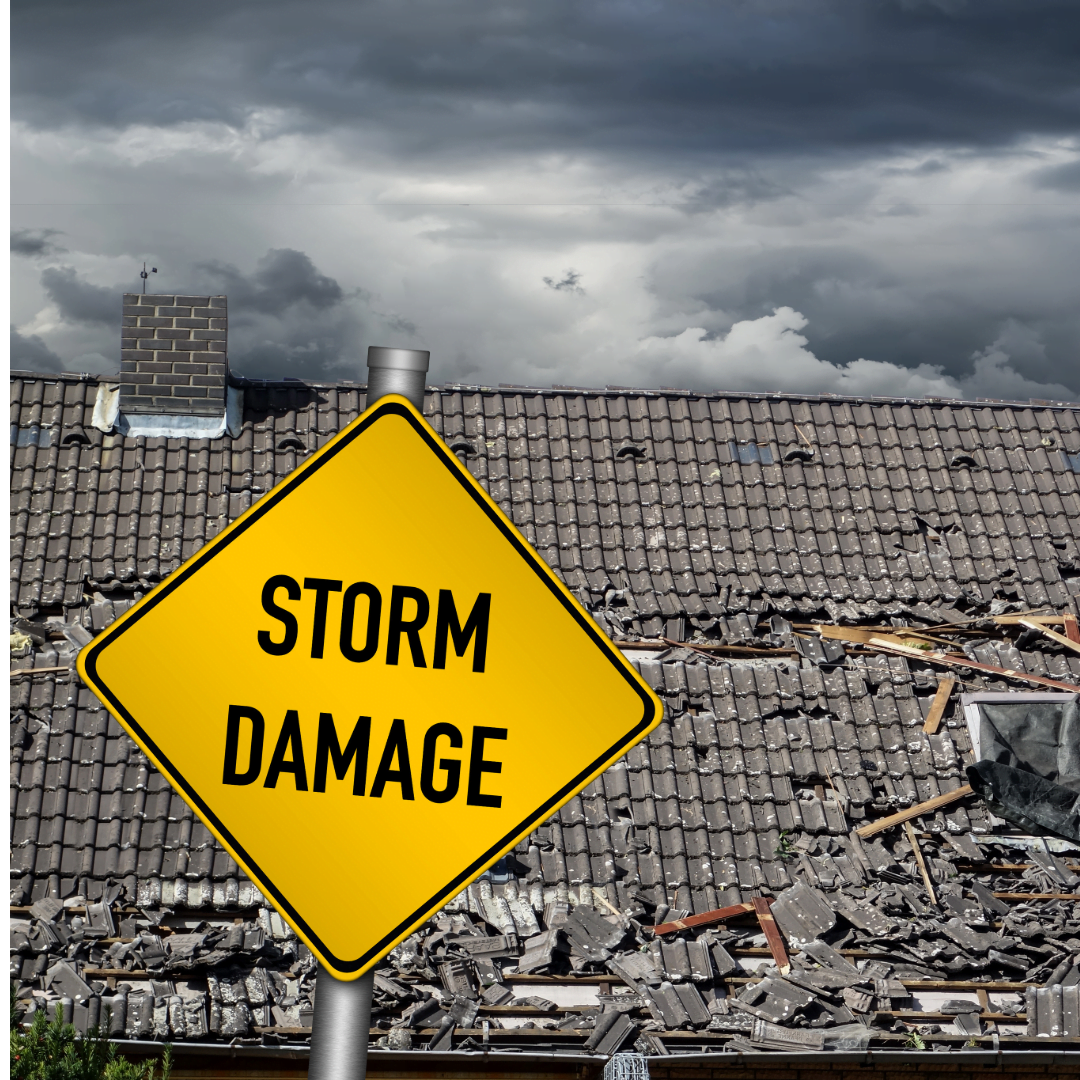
(342, 1020)
(397, 371)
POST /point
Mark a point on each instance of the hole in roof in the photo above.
(630, 450)
(1049, 441)
(963, 460)
(503, 870)
(291, 442)
(747, 453)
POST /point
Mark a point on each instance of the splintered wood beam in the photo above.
(964, 662)
(915, 811)
(913, 840)
(937, 706)
(1053, 635)
(706, 918)
(772, 934)
(1072, 631)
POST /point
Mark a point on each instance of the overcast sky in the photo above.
(860, 196)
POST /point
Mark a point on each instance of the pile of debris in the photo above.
(907, 921)
(153, 974)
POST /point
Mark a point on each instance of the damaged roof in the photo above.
(778, 567)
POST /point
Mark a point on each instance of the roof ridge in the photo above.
(558, 390)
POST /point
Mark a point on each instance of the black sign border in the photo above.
(391, 408)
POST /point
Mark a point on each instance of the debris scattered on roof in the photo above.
(810, 585)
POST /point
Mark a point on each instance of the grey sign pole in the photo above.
(339, 1030)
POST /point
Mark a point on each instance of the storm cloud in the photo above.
(34, 243)
(899, 175)
(286, 318)
(767, 76)
(80, 301)
(281, 279)
(32, 354)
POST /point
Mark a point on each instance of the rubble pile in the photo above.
(157, 975)
(491, 967)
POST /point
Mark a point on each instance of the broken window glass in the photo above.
(1027, 758)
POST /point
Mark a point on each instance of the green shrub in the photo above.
(53, 1050)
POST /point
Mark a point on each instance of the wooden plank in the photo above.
(1072, 630)
(661, 645)
(937, 1018)
(923, 984)
(910, 650)
(1003, 868)
(1037, 896)
(937, 706)
(927, 880)
(1012, 620)
(858, 635)
(964, 662)
(39, 671)
(915, 811)
(560, 980)
(706, 918)
(772, 934)
(687, 645)
(1053, 635)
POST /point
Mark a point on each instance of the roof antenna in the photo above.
(144, 275)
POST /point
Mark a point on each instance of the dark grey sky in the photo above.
(865, 196)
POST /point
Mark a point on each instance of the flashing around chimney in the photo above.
(109, 418)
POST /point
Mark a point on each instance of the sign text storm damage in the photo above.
(409, 611)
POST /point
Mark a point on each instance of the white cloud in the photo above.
(769, 353)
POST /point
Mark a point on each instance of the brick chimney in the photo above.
(173, 359)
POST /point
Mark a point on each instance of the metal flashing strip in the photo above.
(153, 426)
(184, 427)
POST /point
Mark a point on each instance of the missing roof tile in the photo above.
(747, 453)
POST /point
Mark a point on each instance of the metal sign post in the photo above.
(342, 1021)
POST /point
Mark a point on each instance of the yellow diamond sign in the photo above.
(369, 687)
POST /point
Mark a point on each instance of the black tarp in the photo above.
(1029, 768)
